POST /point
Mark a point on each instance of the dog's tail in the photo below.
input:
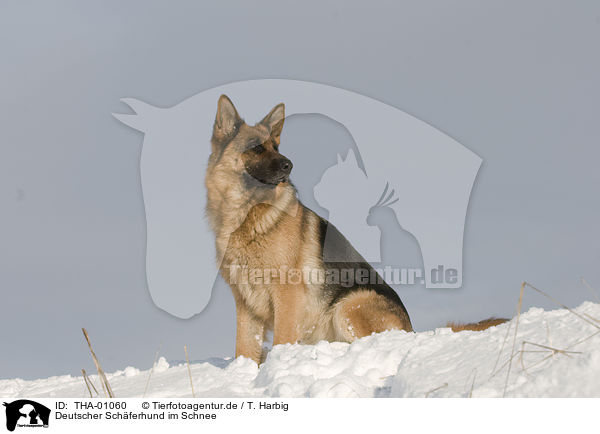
(477, 326)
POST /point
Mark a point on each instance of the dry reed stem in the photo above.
(494, 372)
(553, 351)
(189, 370)
(512, 353)
(592, 290)
(589, 321)
(103, 380)
(88, 382)
(437, 388)
(473, 383)
(151, 370)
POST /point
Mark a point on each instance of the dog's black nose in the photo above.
(286, 165)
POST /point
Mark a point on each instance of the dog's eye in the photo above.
(259, 149)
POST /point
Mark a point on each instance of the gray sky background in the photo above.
(516, 82)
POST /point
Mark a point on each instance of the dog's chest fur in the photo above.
(257, 252)
(268, 245)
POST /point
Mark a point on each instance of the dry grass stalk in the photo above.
(592, 290)
(151, 370)
(473, 383)
(436, 389)
(545, 349)
(86, 383)
(591, 321)
(570, 346)
(103, 380)
(494, 372)
(512, 353)
(553, 351)
(187, 359)
(89, 383)
(585, 317)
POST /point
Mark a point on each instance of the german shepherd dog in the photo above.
(261, 226)
(263, 230)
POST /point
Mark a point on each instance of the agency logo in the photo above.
(25, 413)
(402, 180)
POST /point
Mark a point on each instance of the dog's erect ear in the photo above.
(227, 120)
(274, 120)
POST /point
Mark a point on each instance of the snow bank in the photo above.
(392, 364)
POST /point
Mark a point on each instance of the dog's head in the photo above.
(250, 151)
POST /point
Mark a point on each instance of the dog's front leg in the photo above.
(288, 304)
(250, 333)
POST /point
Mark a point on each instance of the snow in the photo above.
(436, 363)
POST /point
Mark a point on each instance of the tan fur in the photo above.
(294, 312)
(478, 326)
(270, 229)
(364, 312)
